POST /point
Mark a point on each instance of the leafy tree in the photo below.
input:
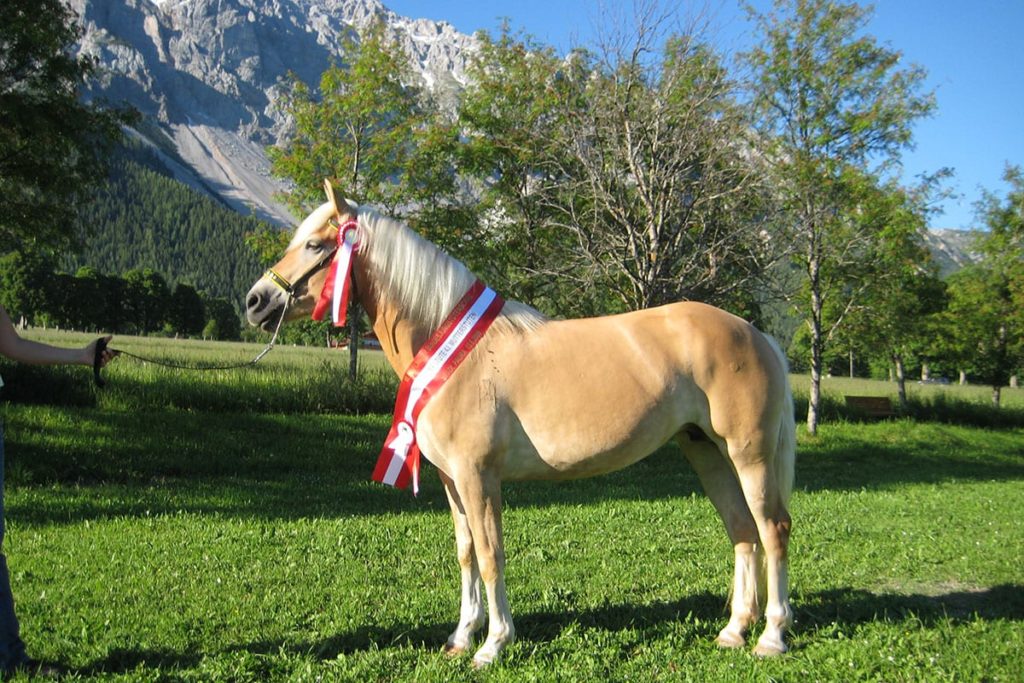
(986, 311)
(185, 312)
(834, 108)
(222, 321)
(360, 129)
(268, 245)
(146, 299)
(52, 145)
(357, 128)
(25, 279)
(508, 111)
(69, 304)
(93, 302)
(892, 316)
(625, 175)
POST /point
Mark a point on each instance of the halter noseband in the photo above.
(282, 283)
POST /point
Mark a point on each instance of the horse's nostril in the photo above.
(253, 302)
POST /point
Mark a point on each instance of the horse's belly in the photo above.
(588, 441)
(527, 463)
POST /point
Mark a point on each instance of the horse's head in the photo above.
(296, 280)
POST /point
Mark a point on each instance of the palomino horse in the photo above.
(561, 399)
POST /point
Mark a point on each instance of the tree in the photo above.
(986, 311)
(508, 113)
(25, 278)
(834, 110)
(222, 321)
(359, 129)
(52, 145)
(185, 313)
(892, 317)
(621, 173)
(146, 299)
(93, 300)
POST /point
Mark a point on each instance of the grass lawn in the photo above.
(152, 536)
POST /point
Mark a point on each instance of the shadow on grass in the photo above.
(531, 627)
(817, 614)
(289, 467)
(125, 660)
(852, 606)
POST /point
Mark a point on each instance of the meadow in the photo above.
(186, 526)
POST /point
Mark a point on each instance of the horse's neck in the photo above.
(400, 337)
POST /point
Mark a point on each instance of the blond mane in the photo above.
(422, 279)
(415, 274)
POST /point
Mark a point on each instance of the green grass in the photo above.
(970, 393)
(164, 542)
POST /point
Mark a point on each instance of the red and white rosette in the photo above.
(398, 463)
(339, 277)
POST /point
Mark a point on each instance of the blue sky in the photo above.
(972, 51)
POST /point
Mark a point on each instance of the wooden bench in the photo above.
(871, 406)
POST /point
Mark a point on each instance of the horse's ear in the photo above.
(329, 190)
(344, 208)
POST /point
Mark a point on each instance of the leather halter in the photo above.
(282, 283)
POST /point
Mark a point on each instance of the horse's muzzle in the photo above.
(263, 306)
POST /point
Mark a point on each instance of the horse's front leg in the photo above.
(480, 493)
(471, 612)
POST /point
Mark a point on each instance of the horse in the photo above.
(541, 398)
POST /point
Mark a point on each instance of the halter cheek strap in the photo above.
(288, 287)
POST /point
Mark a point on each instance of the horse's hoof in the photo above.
(770, 647)
(454, 649)
(485, 656)
(730, 639)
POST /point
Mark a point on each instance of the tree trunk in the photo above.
(926, 372)
(996, 394)
(901, 381)
(353, 340)
(815, 399)
(1014, 381)
(963, 378)
(851, 363)
(817, 342)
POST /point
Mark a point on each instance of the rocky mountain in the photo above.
(205, 75)
(951, 249)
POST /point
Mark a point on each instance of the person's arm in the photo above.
(36, 353)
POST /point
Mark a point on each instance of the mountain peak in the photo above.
(205, 75)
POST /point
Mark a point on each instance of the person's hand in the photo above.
(89, 353)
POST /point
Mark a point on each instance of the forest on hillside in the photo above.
(144, 219)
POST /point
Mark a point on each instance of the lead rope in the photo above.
(101, 345)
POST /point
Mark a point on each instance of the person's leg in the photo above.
(12, 649)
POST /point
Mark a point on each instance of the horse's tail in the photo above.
(785, 452)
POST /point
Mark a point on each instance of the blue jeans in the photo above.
(12, 649)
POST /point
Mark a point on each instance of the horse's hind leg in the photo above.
(764, 499)
(471, 612)
(722, 487)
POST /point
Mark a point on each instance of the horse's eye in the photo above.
(313, 245)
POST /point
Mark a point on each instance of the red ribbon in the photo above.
(398, 463)
(341, 266)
